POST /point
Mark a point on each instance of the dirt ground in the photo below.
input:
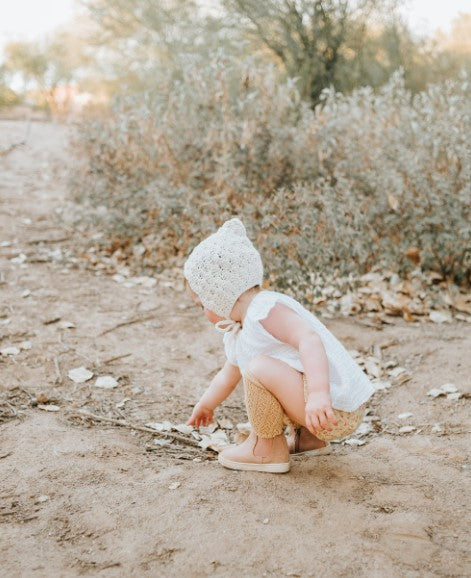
(87, 498)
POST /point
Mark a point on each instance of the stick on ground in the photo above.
(126, 424)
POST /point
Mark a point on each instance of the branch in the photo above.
(128, 425)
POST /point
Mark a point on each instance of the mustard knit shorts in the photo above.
(269, 419)
(348, 421)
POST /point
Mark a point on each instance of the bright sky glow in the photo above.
(33, 19)
(426, 16)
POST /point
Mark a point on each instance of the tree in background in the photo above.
(337, 43)
(340, 43)
(143, 43)
(45, 67)
(135, 46)
(8, 97)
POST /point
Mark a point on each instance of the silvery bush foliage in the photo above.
(361, 181)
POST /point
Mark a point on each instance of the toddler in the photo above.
(294, 371)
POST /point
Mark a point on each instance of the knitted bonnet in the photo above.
(223, 266)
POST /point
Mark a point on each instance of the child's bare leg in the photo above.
(286, 384)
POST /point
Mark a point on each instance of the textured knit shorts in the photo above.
(348, 421)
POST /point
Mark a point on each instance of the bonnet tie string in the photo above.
(226, 325)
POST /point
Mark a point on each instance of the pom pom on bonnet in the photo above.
(223, 266)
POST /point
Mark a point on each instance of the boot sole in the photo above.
(247, 466)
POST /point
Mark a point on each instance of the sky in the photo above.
(33, 19)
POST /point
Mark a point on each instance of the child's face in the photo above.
(210, 315)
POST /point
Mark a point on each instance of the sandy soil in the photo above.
(83, 499)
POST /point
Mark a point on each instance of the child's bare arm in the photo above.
(221, 386)
(287, 326)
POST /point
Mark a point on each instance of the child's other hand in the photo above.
(201, 416)
(319, 412)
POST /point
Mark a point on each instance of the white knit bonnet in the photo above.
(223, 266)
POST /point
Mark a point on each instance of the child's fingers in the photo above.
(323, 421)
(331, 416)
(310, 427)
(313, 421)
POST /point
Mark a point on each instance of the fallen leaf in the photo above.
(147, 282)
(244, 428)
(373, 367)
(363, 429)
(21, 258)
(396, 371)
(209, 429)
(160, 426)
(393, 202)
(205, 442)
(66, 325)
(162, 442)
(215, 441)
(435, 392)
(440, 317)
(174, 485)
(462, 303)
(407, 429)
(80, 374)
(405, 415)
(449, 388)
(183, 428)
(9, 351)
(225, 423)
(106, 382)
(122, 403)
(355, 442)
(49, 407)
(403, 378)
(42, 499)
(413, 254)
(378, 384)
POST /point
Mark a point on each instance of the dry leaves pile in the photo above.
(379, 296)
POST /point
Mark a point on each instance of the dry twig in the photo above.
(126, 424)
(125, 323)
(106, 361)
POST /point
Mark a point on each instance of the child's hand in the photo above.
(319, 412)
(201, 416)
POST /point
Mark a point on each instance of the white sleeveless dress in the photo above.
(349, 385)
